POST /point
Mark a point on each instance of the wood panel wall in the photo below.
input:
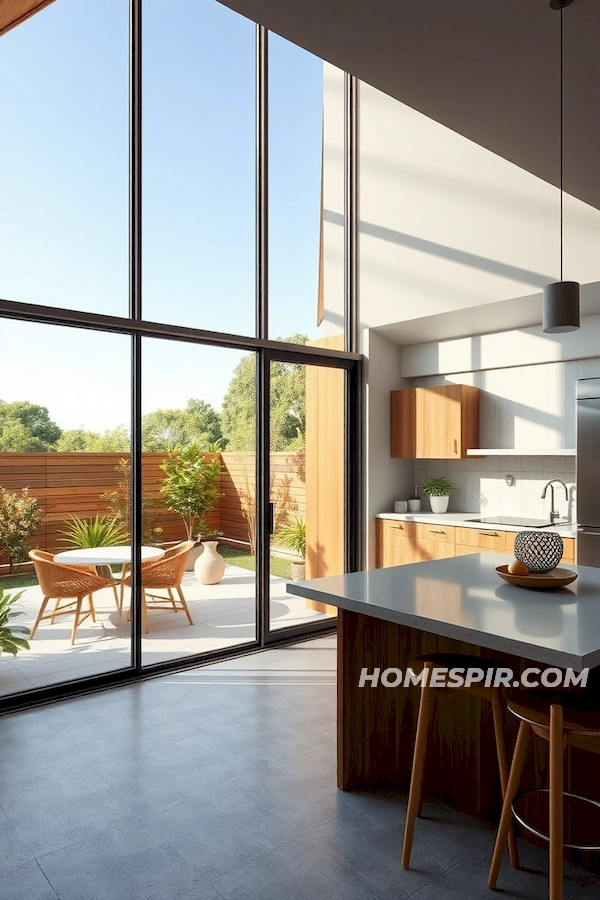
(72, 483)
(325, 467)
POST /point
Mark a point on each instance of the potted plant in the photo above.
(191, 488)
(292, 536)
(438, 491)
(11, 640)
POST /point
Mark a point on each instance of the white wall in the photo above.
(480, 484)
(446, 224)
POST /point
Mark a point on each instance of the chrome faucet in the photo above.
(554, 515)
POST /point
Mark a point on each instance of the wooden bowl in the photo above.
(548, 581)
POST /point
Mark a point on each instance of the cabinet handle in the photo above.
(437, 531)
(401, 527)
(489, 533)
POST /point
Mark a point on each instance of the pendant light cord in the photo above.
(561, 143)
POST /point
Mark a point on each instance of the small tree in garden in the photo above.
(190, 486)
(119, 501)
(19, 518)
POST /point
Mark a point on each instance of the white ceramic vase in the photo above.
(439, 504)
(210, 565)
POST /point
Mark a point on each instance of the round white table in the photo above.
(107, 556)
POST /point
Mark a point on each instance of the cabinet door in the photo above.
(394, 543)
(403, 424)
(438, 424)
(474, 539)
(424, 550)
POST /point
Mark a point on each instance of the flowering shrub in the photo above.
(19, 518)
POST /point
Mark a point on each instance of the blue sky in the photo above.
(64, 197)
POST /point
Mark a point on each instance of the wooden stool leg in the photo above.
(416, 779)
(556, 801)
(511, 790)
(39, 617)
(503, 770)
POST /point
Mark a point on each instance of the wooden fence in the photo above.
(73, 483)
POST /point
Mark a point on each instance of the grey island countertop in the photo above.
(464, 598)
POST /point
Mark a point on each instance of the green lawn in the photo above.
(8, 582)
(279, 567)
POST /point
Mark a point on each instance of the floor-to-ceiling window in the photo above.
(173, 417)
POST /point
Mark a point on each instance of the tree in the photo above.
(166, 429)
(77, 439)
(26, 427)
(190, 485)
(288, 404)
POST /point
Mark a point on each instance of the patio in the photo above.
(223, 614)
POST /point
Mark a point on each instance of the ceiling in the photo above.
(504, 315)
(487, 69)
(13, 12)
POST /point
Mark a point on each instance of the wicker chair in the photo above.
(60, 582)
(164, 574)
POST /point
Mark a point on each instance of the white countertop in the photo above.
(462, 520)
(465, 599)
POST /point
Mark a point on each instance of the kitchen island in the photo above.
(460, 605)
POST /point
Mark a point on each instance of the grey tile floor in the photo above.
(219, 784)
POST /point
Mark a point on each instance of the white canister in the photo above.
(414, 505)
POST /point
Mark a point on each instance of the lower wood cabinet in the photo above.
(568, 545)
(399, 543)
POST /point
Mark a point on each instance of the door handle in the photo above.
(271, 518)
(489, 533)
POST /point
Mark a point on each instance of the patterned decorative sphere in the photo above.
(541, 551)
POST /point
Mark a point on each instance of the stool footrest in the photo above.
(541, 834)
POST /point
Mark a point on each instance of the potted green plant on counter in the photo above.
(438, 491)
(292, 536)
(11, 636)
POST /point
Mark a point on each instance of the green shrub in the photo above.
(19, 518)
(10, 641)
(292, 536)
(103, 531)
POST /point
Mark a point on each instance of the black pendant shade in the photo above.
(561, 307)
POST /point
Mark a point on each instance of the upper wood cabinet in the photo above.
(435, 422)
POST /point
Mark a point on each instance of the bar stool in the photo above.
(562, 720)
(415, 797)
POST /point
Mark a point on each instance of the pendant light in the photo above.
(561, 298)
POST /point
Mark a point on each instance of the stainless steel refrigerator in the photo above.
(588, 471)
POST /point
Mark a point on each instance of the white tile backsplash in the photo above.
(480, 485)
